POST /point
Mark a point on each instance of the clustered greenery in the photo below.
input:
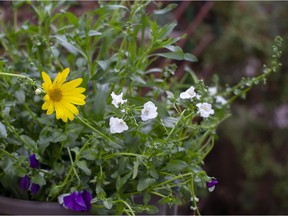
(113, 48)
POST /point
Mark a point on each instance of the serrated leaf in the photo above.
(83, 166)
(145, 183)
(176, 165)
(3, 132)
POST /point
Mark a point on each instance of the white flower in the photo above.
(189, 93)
(149, 111)
(212, 90)
(117, 125)
(221, 100)
(205, 109)
(117, 99)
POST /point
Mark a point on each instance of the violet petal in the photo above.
(35, 188)
(70, 203)
(87, 198)
(25, 182)
(212, 183)
(34, 163)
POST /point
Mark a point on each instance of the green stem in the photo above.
(193, 194)
(174, 178)
(94, 129)
(127, 205)
(122, 154)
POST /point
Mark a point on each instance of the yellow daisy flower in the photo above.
(61, 97)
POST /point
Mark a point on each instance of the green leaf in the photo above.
(72, 18)
(175, 56)
(28, 140)
(3, 132)
(170, 122)
(100, 101)
(176, 165)
(94, 33)
(145, 183)
(83, 166)
(58, 137)
(20, 95)
(122, 180)
(165, 10)
(108, 203)
(135, 168)
(38, 179)
(190, 57)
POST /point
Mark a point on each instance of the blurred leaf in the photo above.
(94, 33)
(38, 179)
(100, 101)
(176, 165)
(122, 180)
(108, 203)
(165, 10)
(3, 132)
(144, 183)
(83, 166)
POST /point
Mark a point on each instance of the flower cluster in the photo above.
(116, 127)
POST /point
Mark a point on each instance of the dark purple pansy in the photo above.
(25, 182)
(211, 185)
(34, 188)
(34, 163)
(78, 201)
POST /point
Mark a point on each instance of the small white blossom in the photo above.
(38, 91)
(117, 99)
(212, 90)
(117, 125)
(221, 100)
(189, 93)
(205, 109)
(149, 111)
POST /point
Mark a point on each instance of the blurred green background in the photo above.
(233, 39)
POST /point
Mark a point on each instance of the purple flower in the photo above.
(34, 163)
(34, 188)
(211, 185)
(25, 182)
(77, 201)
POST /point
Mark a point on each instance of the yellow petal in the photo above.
(61, 77)
(72, 84)
(70, 107)
(47, 81)
(75, 100)
(73, 92)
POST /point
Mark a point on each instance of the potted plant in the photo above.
(89, 124)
